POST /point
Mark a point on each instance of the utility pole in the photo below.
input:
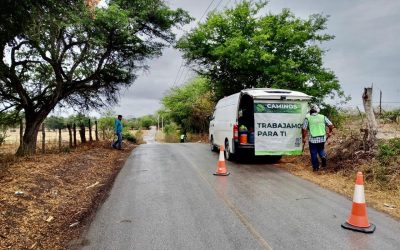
(162, 123)
(380, 103)
(158, 122)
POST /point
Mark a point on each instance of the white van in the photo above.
(271, 119)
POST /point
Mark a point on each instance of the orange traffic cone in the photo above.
(358, 219)
(221, 167)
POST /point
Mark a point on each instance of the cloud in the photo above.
(366, 50)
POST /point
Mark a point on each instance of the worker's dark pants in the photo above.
(118, 143)
(315, 150)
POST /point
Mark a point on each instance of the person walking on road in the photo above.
(315, 126)
(118, 132)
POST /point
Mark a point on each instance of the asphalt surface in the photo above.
(166, 197)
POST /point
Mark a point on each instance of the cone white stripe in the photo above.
(221, 156)
(359, 196)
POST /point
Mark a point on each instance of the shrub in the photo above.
(335, 115)
(387, 151)
(126, 135)
(390, 116)
(171, 132)
(139, 136)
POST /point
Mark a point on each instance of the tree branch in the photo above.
(78, 61)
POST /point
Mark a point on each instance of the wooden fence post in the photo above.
(82, 133)
(70, 135)
(90, 131)
(74, 130)
(43, 139)
(59, 139)
(96, 131)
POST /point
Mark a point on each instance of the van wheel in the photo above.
(212, 145)
(228, 154)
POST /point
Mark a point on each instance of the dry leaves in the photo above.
(45, 200)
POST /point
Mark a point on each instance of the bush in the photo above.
(388, 151)
(171, 132)
(335, 115)
(390, 116)
(139, 136)
(126, 135)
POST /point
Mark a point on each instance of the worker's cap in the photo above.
(314, 107)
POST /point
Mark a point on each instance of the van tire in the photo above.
(228, 155)
(212, 145)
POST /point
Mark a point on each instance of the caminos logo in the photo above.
(278, 108)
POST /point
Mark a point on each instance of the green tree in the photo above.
(81, 57)
(147, 121)
(133, 123)
(242, 48)
(55, 122)
(190, 106)
(106, 124)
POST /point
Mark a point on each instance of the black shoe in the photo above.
(323, 162)
(315, 169)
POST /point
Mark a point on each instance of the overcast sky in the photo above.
(366, 50)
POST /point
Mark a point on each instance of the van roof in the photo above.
(270, 93)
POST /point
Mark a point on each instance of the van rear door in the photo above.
(277, 126)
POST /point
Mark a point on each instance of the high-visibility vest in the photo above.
(316, 124)
(182, 137)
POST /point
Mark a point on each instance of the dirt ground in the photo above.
(46, 200)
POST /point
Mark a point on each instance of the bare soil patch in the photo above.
(47, 200)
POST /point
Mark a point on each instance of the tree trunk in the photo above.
(82, 133)
(74, 129)
(21, 131)
(372, 129)
(90, 131)
(33, 122)
(43, 139)
(70, 135)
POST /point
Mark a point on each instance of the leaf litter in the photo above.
(46, 201)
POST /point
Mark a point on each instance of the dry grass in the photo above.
(11, 143)
(345, 159)
(46, 200)
(344, 184)
(175, 138)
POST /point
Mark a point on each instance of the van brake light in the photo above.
(236, 132)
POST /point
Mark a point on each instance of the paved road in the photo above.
(167, 198)
(150, 136)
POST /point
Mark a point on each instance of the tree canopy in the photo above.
(244, 48)
(78, 56)
(190, 105)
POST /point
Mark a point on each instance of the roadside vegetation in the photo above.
(346, 154)
(242, 48)
(69, 55)
(72, 54)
